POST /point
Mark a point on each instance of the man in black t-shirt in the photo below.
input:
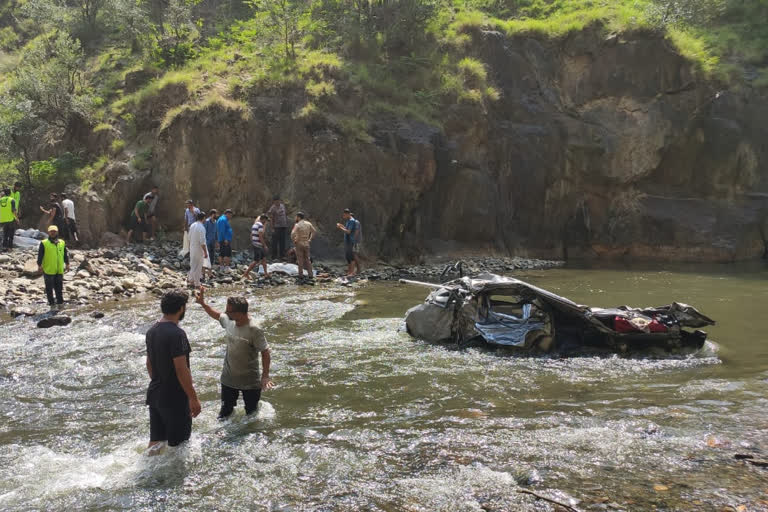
(171, 397)
(56, 216)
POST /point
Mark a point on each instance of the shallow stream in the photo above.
(366, 418)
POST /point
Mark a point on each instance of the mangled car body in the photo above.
(504, 311)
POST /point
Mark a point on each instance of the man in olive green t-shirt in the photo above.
(138, 220)
(245, 341)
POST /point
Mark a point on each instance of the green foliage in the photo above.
(8, 38)
(41, 97)
(116, 147)
(55, 172)
(143, 159)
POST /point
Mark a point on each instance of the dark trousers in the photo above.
(278, 242)
(229, 400)
(54, 283)
(9, 228)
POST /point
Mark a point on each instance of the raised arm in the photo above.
(200, 299)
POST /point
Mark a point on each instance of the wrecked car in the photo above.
(502, 311)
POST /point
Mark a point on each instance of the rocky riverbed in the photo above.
(103, 275)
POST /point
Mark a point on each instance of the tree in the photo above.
(284, 17)
(41, 98)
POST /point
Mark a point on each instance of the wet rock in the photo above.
(54, 321)
(22, 311)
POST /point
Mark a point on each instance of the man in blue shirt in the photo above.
(224, 233)
(210, 236)
(350, 236)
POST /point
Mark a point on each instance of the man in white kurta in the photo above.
(198, 250)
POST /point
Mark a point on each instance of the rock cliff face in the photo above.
(597, 148)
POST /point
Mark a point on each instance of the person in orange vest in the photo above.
(53, 261)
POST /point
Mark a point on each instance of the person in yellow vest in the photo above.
(16, 195)
(8, 213)
(53, 261)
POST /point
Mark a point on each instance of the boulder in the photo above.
(97, 315)
(111, 240)
(30, 268)
(54, 321)
(22, 311)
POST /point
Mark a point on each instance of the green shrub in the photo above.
(117, 146)
(143, 159)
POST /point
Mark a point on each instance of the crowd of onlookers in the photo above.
(208, 237)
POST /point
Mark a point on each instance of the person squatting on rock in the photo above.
(138, 219)
(53, 261)
(69, 216)
(259, 243)
(198, 251)
(8, 217)
(245, 342)
(210, 238)
(302, 234)
(224, 233)
(351, 229)
(171, 396)
(279, 218)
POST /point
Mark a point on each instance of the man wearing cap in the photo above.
(302, 234)
(8, 215)
(224, 232)
(279, 221)
(53, 261)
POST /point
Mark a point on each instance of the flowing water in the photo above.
(366, 418)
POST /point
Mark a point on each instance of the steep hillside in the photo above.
(560, 129)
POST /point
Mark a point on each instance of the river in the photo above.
(365, 418)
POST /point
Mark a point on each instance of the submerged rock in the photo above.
(54, 321)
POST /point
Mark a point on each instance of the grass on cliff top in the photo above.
(561, 18)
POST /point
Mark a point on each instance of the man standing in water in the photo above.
(171, 397)
(198, 250)
(302, 234)
(52, 262)
(245, 341)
